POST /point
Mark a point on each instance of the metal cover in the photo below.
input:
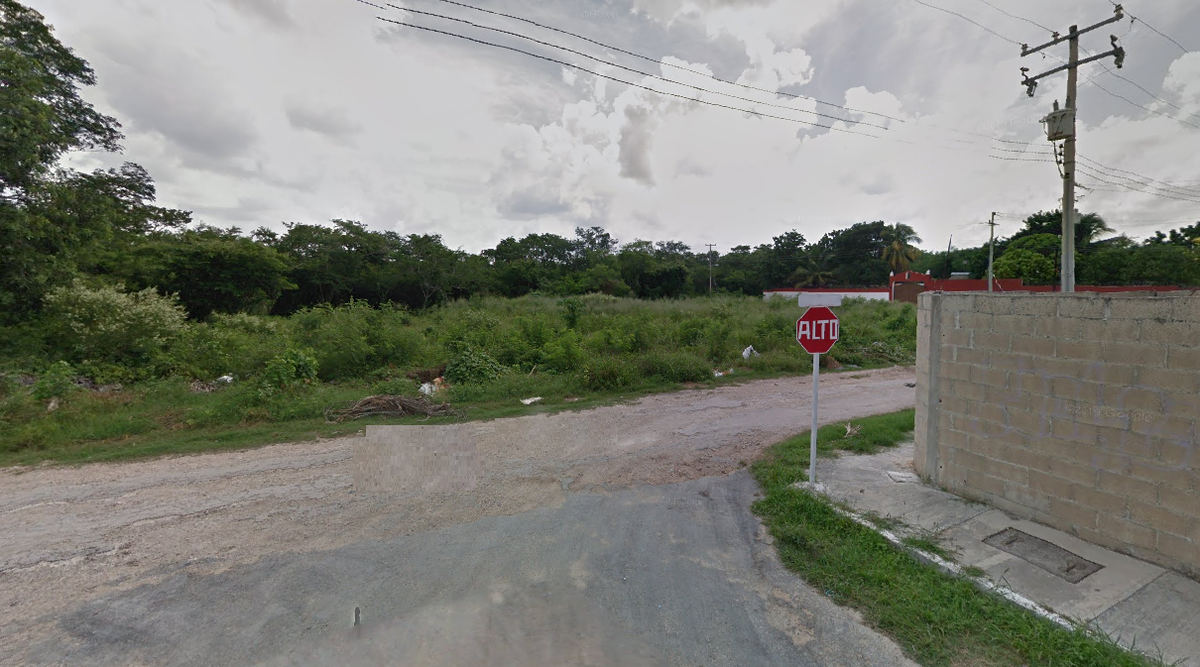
(1060, 124)
(1050, 557)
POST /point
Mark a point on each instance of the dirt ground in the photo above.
(72, 535)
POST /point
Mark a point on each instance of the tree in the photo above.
(899, 252)
(1031, 267)
(44, 115)
(815, 270)
(1088, 228)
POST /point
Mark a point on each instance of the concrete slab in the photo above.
(1120, 577)
(1161, 618)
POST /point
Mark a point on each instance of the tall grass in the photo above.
(494, 350)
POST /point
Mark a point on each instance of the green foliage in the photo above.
(354, 339)
(674, 367)
(609, 374)
(294, 368)
(471, 366)
(563, 354)
(572, 310)
(106, 324)
(1031, 267)
(57, 381)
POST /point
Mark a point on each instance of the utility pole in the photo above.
(1061, 125)
(991, 249)
(710, 275)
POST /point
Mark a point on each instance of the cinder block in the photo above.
(952, 439)
(953, 404)
(1028, 458)
(1035, 304)
(1080, 474)
(952, 371)
(1157, 518)
(1006, 398)
(1029, 423)
(1013, 324)
(1057, 327)
(988, 411)
(1109, 330)
(986, 340)
(1078, 350)
(1168, 427)
(1177, 477)
(975, 357)
(957, 337)
(1181, 334)
(1076, 515)
(1172, 546)
(1180, 502)
(973, 321)
(1119, 441)
(1182, 405)
(1139, 308)
(1130, 399)
(1069, 429)
(1006, 471)
(1049, 484)
(1026, 497)
(1185, 309)
(1101, 501)
(1077, 391)
(1107, 372)
(967, 390)
(1111, 462)
(1126, 531)
(1178, 452)
(995, 304)
(1128, 487)
(1063, 368)
(989, 377)
(1084, 306)
(1183, 359)
(1037, 347)
(1031, 382)
(982, 485)
(1134, 353)
(1171, 380)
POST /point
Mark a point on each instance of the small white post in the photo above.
(812, 449)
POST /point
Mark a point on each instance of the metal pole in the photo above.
(812, 444)
(991, 249)
(1068, 225)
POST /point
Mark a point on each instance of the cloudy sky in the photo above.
(258, 112)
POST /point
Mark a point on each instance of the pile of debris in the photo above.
(389, 406)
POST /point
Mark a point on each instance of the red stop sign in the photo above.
(817, 330)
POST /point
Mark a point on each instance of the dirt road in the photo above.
(638, 552)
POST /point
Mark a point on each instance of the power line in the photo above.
(943, 9)
(1164, 184)
(615, 79)
(1020, 18)
(658, 61)
(1160, 33)
(1092, 173)
(630, 69)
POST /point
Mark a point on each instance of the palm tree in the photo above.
(899, 251)
(815, 269)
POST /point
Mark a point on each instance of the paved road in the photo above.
(651, 558)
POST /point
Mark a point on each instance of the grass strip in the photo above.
(938, 620)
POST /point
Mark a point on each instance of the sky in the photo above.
(255, 113)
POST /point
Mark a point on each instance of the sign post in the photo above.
(816, 331)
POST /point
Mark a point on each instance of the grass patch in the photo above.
(494, 351)
(939, 620)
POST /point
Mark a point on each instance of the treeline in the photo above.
(1101, 258)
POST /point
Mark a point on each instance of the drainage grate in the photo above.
(1050, 557)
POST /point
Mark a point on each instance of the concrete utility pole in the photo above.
(1061, 125)
(991, 249)
(710, 282)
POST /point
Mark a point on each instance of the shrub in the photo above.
(291, 369)
(56, 382)
(108, 324)
(354, 339)
(608, 374)
(471, 366)
(675, 367)
(563, 354)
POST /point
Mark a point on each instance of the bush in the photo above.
(354, 339)
(471, 366)
(564, 354)
(108, 324)
(288, 371)
(675, 367)
(56, 382)
(608, 374)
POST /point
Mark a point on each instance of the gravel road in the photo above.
(637, 552)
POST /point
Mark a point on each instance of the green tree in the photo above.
(1031, 267)
(899, 252)
(816, 269)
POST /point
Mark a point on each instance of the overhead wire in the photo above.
(1133, 176)
(1099, 176)
(633, 70)
(1160, 33)
(659, 61)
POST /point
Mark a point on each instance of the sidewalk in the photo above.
(1137, 603)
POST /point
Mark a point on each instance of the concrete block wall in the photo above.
(1080, 411)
